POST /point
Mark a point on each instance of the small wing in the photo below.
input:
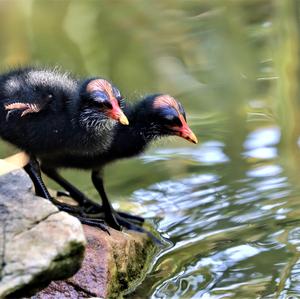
(26, 108)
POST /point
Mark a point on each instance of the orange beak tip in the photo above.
(190, 136)
(194, 139)
(123, 120)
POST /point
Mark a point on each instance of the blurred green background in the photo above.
(229, 206)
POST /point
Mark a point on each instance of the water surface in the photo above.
(228, 207)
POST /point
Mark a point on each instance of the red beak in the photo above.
(184, 131)
(117, 113)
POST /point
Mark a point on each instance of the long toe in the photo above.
(133, 218)
(81, 216)
(112, 221)
(129, 224)
(90, 207)
(65, 207)
(92, 222)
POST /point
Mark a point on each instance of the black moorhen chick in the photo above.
(45, 112)
(153, 117)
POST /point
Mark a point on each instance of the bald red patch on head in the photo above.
(114, 111)
(183, 130)
(100, 84)
(166, 101)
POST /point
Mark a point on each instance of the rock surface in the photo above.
(112, 264)
(38, 243)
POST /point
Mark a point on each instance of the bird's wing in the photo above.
(25, 107)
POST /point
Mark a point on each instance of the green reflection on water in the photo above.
(230, 205)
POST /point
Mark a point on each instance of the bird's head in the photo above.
(99, 95)
(167, 117)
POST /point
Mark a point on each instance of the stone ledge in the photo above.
(113, 264)
(40, 245)
(37, 242)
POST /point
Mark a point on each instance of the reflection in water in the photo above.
(230, 205)
(228, 240)
(261, 143)
(208, 153)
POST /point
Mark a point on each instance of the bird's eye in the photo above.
(107, 105)
(172, 120)
(101, 99)
(50, 96)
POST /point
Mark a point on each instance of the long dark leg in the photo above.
(75, 193)
(113, 218)
(106, 205)
(33, 170)
(109, 212)
(89, 205)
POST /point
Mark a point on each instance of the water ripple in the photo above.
(229, 228)
(209, 153)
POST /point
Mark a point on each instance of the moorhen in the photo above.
(153, 117)
(46, 112)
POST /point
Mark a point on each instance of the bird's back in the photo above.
(33, 114)
(126, 142)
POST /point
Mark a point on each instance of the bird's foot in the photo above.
(125, 223)
(99, 223)
(134, 218)
(114, 220)
(90, 207)
(82, 217)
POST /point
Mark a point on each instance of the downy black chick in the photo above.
(153, 117)
(45, 112)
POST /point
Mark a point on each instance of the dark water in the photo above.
(230, 206)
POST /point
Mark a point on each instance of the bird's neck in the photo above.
(133, 139)
(95, 123)
(94, 133)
